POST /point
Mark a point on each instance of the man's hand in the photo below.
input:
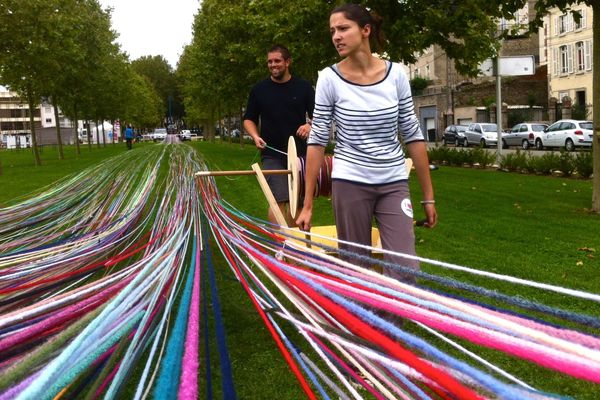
(259, 142)
(303, 131)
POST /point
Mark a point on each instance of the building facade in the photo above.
(15, 124)
(567, 46)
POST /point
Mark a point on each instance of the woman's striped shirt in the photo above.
(367, 121)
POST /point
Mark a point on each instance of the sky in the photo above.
(153, 27)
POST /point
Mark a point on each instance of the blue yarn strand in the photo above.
(225, 362)
(170, 369)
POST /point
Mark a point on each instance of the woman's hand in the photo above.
(303, 220)
(430, 214)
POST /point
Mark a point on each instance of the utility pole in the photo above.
(498, 107)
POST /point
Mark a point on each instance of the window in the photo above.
(562, 95)
(563, 24)
(582, 22)
(580, 56)
(565, 59)
(48, 120)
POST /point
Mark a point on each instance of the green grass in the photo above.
(531, 227)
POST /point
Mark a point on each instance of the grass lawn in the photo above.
(532, 227)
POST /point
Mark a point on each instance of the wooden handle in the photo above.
(244, 172)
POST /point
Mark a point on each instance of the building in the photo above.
(567, 48)
(454, 98)
(14, 120)
(15, 125)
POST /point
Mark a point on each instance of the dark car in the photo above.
(454, 134)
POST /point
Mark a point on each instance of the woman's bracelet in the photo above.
(427, 201)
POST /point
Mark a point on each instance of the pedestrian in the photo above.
(369, 100)
(282, 105)
(129, 137)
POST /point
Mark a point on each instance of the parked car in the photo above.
(525, 134)
(483, 134)
(185, 134)
(567, 133)
(454, 134)
(159, 134)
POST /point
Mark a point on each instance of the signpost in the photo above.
(505, 66)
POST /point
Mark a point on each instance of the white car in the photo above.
(481, 134)
(567, 133)
(159, 134)
(185, 134)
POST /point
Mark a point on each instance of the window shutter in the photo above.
(570, 57)
(555, 61)
(583, 22)
(588, 54)
(556, 21)
(569, 22)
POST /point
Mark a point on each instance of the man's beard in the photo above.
(278, 75)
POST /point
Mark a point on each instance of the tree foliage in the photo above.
(66, 51)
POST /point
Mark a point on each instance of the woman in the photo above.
(370, 101)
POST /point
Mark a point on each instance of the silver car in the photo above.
(482, 134)
(524, 134)
(568, 133)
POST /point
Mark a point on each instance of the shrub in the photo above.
(565, 163)
(583, 164)
(520, 161)
(546, 163)
(418, 84)
(459, 157)
(515, 162)
(483, 157)
(438, 154)
(580, 111)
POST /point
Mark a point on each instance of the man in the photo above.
(129, 136)
(284, 104)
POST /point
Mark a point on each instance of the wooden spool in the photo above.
(293, 177)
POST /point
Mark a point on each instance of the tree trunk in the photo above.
(228, 128)
(36, 153)
(241, 127)
(97, 135)
(76, 135)
(596, 109)
(61, 155)
(103, 135)
(88, 134)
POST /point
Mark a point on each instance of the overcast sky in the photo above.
(153, 27)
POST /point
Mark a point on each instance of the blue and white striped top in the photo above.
(367, 121)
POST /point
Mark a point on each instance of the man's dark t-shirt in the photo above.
(282, 108)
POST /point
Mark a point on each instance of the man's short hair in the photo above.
(285, 53)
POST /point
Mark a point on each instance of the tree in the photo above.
(160, 75)
(31, 34)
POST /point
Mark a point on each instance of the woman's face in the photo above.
(346, 35)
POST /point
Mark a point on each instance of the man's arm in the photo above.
(304, 130)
